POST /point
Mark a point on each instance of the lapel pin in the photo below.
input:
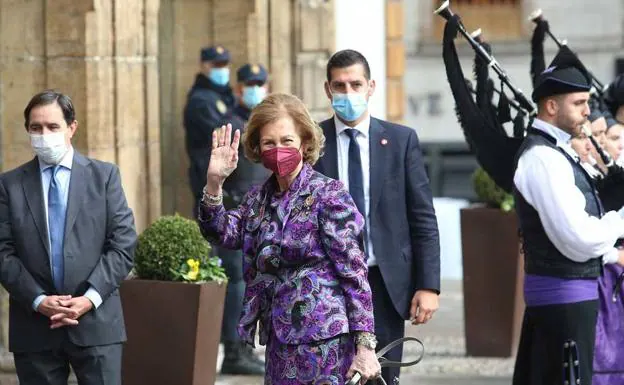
(384, 141)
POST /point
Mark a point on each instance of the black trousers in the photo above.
(389, 324)
(545, 330)
(94, 365)
(233, 265)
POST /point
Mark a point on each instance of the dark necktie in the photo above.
(356, 178)
(56, 228)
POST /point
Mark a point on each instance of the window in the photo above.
(500, 20)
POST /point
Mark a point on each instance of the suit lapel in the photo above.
(33, 191)
(77, 186)
(379, 159)
(329, 161)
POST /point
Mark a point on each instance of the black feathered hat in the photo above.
(566, 74)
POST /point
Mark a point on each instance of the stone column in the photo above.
(185, 27)
(395, 61)
(103, 54)
(22, 73)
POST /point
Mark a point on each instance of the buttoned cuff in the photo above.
(38, 301)
(94, 297)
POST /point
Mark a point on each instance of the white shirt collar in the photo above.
(67, 161)
(560, 136)
(363, 127)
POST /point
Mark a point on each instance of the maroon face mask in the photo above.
(281, 160)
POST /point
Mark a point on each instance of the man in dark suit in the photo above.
(382, 165)
(67, 240)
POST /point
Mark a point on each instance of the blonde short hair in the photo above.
(274, 107)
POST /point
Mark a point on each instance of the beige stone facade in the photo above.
(103, 53)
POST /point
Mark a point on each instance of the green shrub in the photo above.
(173, 249)
(489, 192)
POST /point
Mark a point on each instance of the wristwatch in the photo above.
(368, 340)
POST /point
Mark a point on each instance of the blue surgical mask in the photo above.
(349, 107)
(220, 76)
(253, 95)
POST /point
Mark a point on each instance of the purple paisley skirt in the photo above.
(320, 363)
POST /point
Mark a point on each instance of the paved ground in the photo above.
(444, 363)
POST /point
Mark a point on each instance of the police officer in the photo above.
(251, 88)
(210, 103)
(239, 358)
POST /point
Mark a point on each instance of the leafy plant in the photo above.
(173, 249)
(489, 192)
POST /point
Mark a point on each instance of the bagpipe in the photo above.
(484, 133)
(445, 11)
(481, 122)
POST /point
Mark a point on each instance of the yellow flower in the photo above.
(193, 274)
(194, 271)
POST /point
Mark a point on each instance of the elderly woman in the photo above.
(302, 241)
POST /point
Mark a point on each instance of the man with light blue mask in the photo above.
(251, 88)
(67, 241)
(382, 166)
(210, 104)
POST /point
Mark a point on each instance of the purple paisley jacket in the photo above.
(304, 267)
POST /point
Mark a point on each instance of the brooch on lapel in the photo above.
(384, 141)
(308, 202)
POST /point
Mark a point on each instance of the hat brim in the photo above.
(552, 87)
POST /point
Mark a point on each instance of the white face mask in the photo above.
(50, 148)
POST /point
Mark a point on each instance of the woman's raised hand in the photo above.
(224, 154)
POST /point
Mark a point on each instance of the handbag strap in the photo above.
(384, 362)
